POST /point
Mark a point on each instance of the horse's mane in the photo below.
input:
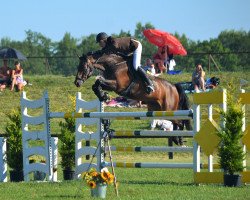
(111, 60)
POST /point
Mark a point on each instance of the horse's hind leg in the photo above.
(178, 125)
(175, 139)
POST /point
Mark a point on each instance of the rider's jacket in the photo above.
(123, 45)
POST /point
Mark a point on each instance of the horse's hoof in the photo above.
(105, 97)
(149, 89)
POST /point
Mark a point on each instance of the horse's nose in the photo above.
(78, 83)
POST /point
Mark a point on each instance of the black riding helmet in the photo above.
(101, 36)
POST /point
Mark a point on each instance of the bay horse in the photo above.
(117, 75)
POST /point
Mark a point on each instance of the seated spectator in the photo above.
(170, 63)
(5, 75)
(212, 83)
(160, 59)
(198, 78)
(17, 77)
(148, 64)
(149, 67)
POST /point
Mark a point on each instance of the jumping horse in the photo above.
(117, 75)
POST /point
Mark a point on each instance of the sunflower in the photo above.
(104, 176)
(91, 184)
(110, 178)
(107, 177)
(94, 174)
(93, 177)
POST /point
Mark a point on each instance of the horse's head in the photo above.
(84, 70)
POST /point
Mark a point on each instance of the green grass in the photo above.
(133, 183)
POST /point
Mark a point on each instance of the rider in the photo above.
(125, 46)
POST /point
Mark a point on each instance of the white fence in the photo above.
(84, 135)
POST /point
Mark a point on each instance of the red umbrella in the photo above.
(161, 39)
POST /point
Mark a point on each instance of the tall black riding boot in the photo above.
(149, 84)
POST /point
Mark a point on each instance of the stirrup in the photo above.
(150, 89)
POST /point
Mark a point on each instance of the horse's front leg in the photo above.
(102, 96)
(103, 84)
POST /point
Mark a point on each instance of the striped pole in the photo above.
(180, 114)
(157, 133)
(151, 149)
(148, 165)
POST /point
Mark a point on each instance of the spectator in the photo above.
(198, 78)
(17, 77)
(171, 63)
(160, 59)
(5, 75)
(149, 66)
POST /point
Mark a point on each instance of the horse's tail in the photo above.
(183, 105)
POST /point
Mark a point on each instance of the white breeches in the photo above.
(137, 56)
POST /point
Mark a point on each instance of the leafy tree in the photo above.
(67, 138)
(87, 44)
(34, 46)
(65, 49)
(123, 34)
(237, 41)
(5, 42)
(61, 57)
(14, 141)
(230, 149)
(148, 49)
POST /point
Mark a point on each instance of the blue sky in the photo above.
(198, 19)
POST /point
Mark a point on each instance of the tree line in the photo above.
(230, 51)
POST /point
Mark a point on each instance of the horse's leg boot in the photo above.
(175, 140)
(102, 96)
(180, 140)
(149, 84)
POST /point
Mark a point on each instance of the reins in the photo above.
(120, 63)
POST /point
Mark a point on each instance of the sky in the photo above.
(197, 19)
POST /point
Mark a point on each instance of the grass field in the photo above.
(133, 183)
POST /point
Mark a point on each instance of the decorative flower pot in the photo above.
(68, 174)
(232, 180)
(99, 191)
(16, 176)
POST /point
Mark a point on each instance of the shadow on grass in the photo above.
(63, 196)
(156, 183)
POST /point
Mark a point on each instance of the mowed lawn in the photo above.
(133, 183)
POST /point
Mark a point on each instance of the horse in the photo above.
(117, 75)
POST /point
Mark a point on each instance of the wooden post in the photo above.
(209, 63)
(215, 63)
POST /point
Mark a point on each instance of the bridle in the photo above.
(85, 68)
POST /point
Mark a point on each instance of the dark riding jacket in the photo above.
(123, 45)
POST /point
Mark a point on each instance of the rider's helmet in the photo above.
(101, 36)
